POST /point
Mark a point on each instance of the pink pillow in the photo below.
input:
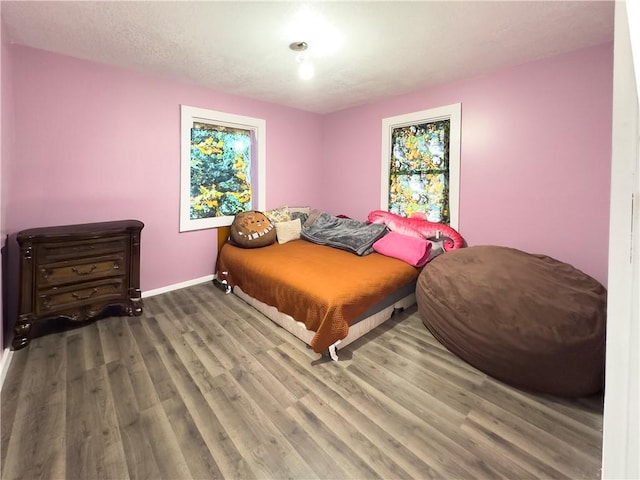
(414, 251)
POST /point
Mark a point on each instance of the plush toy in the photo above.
(417, 226)
(252, 229)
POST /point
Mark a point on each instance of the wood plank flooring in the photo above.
(203, 386)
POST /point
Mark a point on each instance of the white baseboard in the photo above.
(177, 286)
(4, 365)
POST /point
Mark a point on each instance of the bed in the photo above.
(325, 296)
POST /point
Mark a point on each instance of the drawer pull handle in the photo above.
(86, 272)
(77, 296)
(46, 302)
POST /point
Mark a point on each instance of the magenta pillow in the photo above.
(414, 251)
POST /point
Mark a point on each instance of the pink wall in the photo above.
(6, 139)
(95, 143)
(535, 156)
(5, 93)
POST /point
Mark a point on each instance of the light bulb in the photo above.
(306, 70)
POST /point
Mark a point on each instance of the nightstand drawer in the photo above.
(80, 270)
(62, 298)
(51, 252)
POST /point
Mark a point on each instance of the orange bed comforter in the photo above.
(324, 287)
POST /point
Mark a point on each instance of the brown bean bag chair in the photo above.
(528, 320)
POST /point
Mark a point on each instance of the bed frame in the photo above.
(360, 327)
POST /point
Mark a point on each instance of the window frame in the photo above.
(189, 115)
(448, 112)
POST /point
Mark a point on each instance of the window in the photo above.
(222, 167)
(421, 164)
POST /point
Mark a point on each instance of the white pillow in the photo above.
(288, 231)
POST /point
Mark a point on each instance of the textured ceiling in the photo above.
(378, 48)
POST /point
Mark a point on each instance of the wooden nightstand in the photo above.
(76, 272)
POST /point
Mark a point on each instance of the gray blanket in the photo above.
(344, 233)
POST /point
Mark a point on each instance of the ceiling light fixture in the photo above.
(310, 23)
(305, 70)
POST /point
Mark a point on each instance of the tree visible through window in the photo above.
(421, 164)
(222, 167)
(419, 170)
(220, 170)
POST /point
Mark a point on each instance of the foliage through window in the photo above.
(222, 156)
(220, 171)
(419, 171)
(421, 164)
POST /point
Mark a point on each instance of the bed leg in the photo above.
(222, 285)
(333, 351)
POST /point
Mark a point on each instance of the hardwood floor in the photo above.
(203, 386)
